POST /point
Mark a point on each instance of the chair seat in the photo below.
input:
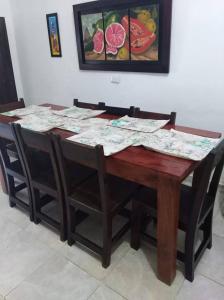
(148, 197)
(88, 194)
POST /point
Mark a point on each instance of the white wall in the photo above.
(194, 88)
(5, 11)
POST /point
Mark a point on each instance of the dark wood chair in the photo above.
(196, 210)
(155, 116)
(77, 103)
(38, 155)
(101, 195)
(117, 111)
(14, 172)
(12, 105)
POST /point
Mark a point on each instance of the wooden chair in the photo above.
(12, 105)
(196, 210)
(36, 150)
(117, 111)
(101, 195)
(155, 116)
(14, 172)
(77, 103)
(39, 158)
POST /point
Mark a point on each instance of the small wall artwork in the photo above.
(54, 35)
(130, 35)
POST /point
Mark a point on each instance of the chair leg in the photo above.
(71, 224)
(136, 224)
(208, 229)
(36, 206)
(107, 241)
(63, 228)
(189, 258)
(11, 188)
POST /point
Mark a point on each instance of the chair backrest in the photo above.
(117, 111)
(206, 180)
(77, 103)
(6, 132)
(87, 157)
(12, 106)
(6, 136)
(33, 147)
(155, 116)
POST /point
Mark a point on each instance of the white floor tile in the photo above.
(91, 262)
(135, 277)
(218, 224)
(16, 215)
(19, 257)
(77, 254)
(104, 293)
(56, 280)
(201, 289)
(219, 202)
(7, 229)
(212, 262)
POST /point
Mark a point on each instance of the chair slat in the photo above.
(87, 105)
(155, 116)
(117, 111)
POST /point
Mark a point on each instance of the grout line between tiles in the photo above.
(112, 266)
(211, 279)
(178, 291)
(93, 293)
(15, 287)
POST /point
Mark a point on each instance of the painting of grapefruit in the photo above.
(111, 50)
(115, 35)
(98, 41)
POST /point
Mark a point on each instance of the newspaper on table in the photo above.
(79, 113)
(112, 139)
(136, 124)
(40, 124)
(31, 109)
(180, 144)
(79, 126)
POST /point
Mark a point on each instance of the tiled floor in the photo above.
(35, 265)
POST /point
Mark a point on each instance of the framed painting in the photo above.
(128, 35)
(54, 35)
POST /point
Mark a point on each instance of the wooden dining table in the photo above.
(155, 170)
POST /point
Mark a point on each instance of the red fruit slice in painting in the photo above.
(98, 41)
(111, 50)
(141, 37)
(141, 44)
(115, 35)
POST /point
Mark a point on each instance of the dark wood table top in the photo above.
(141, 160)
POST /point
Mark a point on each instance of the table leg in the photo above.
(167, 226)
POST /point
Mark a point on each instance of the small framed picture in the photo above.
(54, 35)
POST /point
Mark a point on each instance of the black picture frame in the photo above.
(55, 50)
(162, 65)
